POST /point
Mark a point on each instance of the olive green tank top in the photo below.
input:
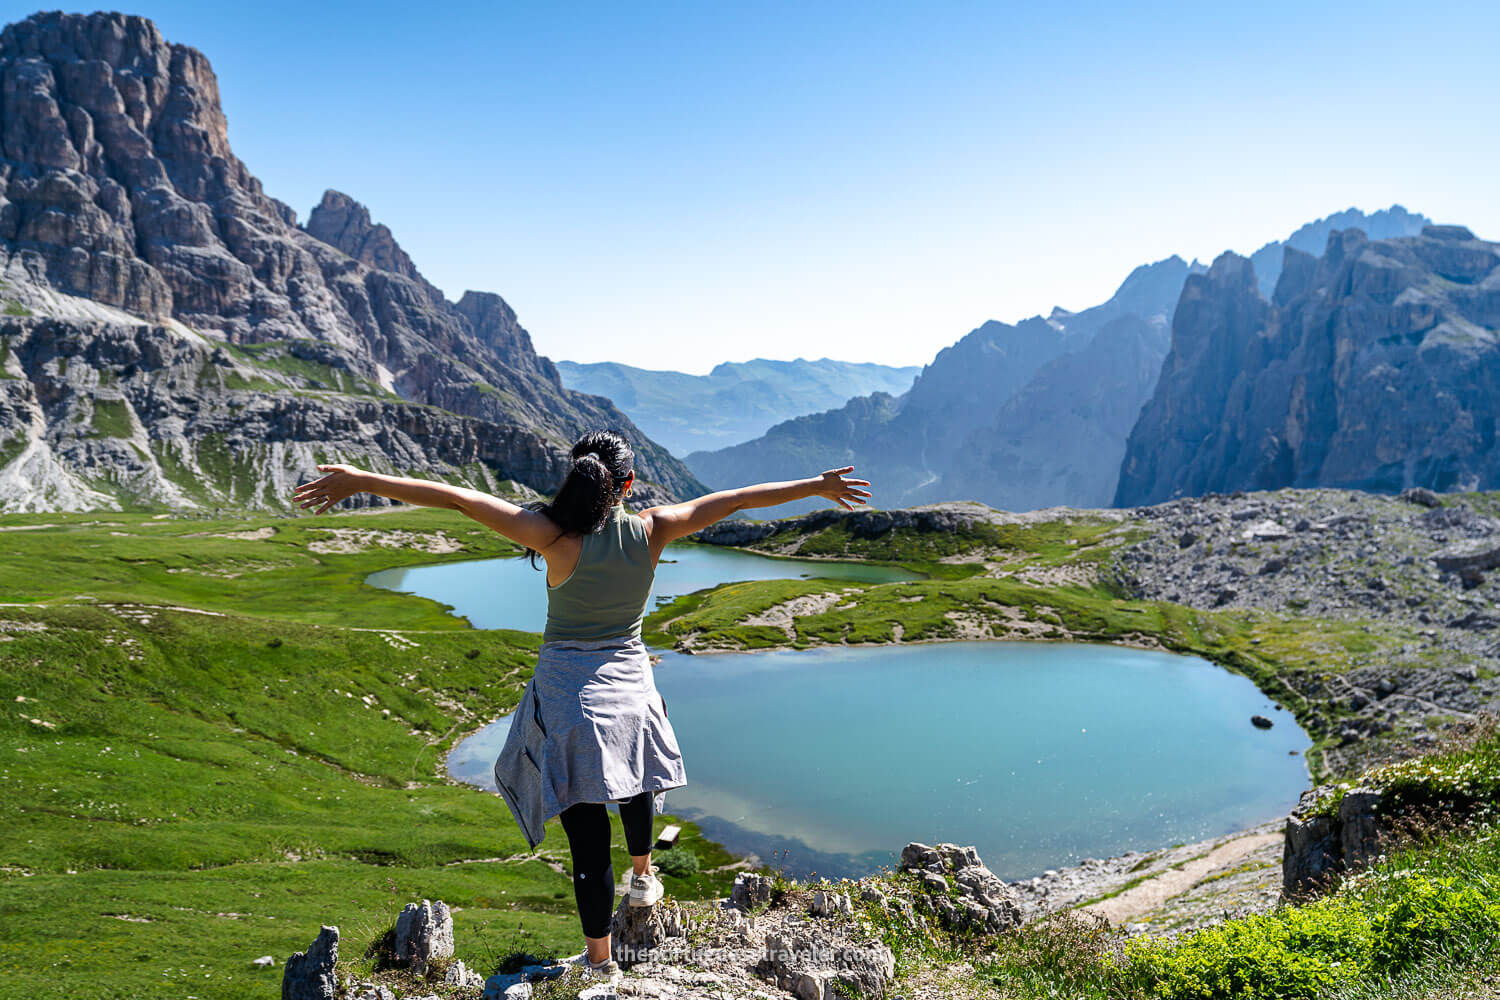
(605, 596)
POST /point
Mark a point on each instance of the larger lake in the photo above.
(1039, 754)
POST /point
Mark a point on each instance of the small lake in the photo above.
(1038, 753)
(508, 593)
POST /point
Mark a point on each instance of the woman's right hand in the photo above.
(833, 485)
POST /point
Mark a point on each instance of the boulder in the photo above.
(1471, 554)
(309, 974)
(829, 904)
(1421, 496)
(985, 902)
(751, 890)
(1262, 531)
(424, 931)
(461, 976)
(1261, 722)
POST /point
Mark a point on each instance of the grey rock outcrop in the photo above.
(123, 209)
(1372, 368)
(984, 903)
(1320, 844)
(751, 890)
(635, 931)
(309, 974)
(812, 964)
(424, 931)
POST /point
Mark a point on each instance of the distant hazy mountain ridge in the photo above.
(941, 441)
(170, 335)
(734, 402)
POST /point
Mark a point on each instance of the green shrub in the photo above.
(678, 862)
(1429, 899)
(1294, 952)
(1432, 912)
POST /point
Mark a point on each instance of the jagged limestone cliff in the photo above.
(171, 335)
(1372, 367)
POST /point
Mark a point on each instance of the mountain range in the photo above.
(1020, 416)
(169, 333)
(736, 401)
(1374, 367)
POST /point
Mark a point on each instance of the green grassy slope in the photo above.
(185, 790)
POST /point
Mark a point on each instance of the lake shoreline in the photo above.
(1048, 883)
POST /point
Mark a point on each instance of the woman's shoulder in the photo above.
(631, 522)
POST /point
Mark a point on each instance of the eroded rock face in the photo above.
(813, 964)
(424, 931)
(1372, 367)
(118, 187)
(309, 974)
(636, 930)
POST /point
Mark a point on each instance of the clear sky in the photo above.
(676, 184)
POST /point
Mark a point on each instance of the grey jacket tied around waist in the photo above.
(590, 727)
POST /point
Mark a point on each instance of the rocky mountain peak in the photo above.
(342, 222)
(495, 323)
(122, 202)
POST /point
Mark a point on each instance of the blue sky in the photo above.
(674, 185)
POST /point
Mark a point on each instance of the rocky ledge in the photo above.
(770, 939)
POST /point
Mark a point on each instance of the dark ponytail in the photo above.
(602, 461)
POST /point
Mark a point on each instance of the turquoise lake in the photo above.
(508, 593)
(1038, 753)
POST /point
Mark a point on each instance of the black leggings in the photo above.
(587, 827)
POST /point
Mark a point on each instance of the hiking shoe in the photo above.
(607, 970)
(646, 890)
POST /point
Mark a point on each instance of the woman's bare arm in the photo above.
(673, 521)
(527, 527)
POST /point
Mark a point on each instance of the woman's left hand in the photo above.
(341, 482)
